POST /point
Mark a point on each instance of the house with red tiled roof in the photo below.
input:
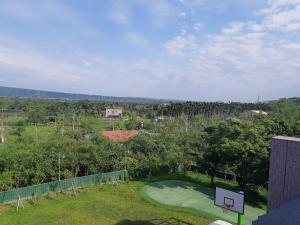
(120, 135)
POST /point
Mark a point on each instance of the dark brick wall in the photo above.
(284, 175)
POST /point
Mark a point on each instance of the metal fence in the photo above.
(41, 189)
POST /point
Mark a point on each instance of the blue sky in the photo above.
(231, 50)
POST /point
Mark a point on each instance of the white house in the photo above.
(1, 139)
(113, 112)
(258, 112)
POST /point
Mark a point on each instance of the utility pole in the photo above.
(126, 152)
(2, 127)
(36, 132)
(125, 157)
(186, 124)
(152, 111)
(59, 163)
(79, 124)
(63, 125)
(59, 166)
(73, 122)
(2, 118)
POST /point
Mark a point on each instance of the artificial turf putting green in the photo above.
(100, 205)
(194, 197)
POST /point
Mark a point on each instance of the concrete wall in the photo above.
(284, 175)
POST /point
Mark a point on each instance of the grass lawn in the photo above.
(128, 204)
(103, 205)
(257, 199)
(193, 196)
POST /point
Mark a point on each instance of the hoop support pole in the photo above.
(240, 219)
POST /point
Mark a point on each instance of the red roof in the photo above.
(120, 135)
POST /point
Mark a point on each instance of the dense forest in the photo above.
(37, 108)
(212, 137)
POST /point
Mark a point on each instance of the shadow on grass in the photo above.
(254, 199)
(167, 221)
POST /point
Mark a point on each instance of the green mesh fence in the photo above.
(31, 191)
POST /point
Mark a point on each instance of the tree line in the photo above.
(238, 144)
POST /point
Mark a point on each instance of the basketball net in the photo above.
(226, 208)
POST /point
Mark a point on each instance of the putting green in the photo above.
(193, 196)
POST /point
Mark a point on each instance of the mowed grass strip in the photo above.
(103, 205)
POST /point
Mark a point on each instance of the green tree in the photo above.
(248, 156)
(6, 181)
(132, 122)
(217, 135)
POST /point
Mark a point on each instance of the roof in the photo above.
(259, 112)
(287, 138)
(113, 108)
(120, 135)
(287, 214)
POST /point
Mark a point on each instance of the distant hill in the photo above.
(11, 92)
(295, 100)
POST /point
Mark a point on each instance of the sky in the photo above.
(199, 50)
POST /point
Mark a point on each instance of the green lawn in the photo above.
(103, 205)
(257, 199)
(192, 196)
(130, 204)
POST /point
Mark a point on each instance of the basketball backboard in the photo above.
(229, 200)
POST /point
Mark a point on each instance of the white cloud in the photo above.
(82, 72)
(39, 11)
(198, 26)
(36, 64)
(239, 62)
(183, 14)
(137, 39)
(48, 13)
(279, 3)
(234, 28)
(293, 27)
(160, 11)
(228, 67)
(119, 18)
(245, 59)
(245, 65)
(180, 45)
(17, 10)
(282, 15)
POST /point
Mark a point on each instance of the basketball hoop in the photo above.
(226, 208)
(228, 204)
(230, 201)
